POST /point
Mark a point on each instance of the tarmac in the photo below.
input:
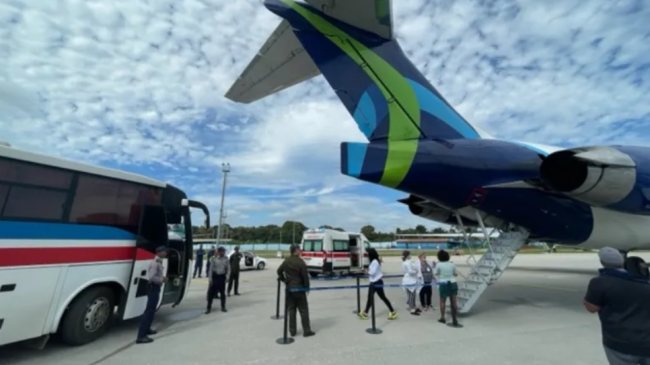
(532, 315)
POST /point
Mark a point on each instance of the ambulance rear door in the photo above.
(312, 251)
(340, 255)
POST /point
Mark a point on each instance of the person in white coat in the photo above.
(410, 281)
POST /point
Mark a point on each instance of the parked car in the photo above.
(250, 261)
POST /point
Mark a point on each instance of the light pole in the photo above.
(225, 168)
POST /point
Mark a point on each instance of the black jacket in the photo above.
(293, 272)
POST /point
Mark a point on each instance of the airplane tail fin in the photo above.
(352, 44)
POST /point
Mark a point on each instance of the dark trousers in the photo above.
(218, 286)
(207, 268)
(380, 292)
(425, 295)
(234, 278)
(198, 267)
(298, 301)
(153, 296)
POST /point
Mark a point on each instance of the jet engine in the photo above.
(607, 177)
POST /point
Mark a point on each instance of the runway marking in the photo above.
(548, 287)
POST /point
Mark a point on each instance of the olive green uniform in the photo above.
(293, 271)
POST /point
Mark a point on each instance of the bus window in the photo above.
(341, 246)
(4, 191)
(366, 245)
(12, 171)
(34, 203)
(94, 201)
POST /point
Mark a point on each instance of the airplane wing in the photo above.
(281, 63)
(374, 16)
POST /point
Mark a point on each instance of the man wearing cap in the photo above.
(156, 278)
(218, 276)
(293, 272)
(235, 260)
(622, 301)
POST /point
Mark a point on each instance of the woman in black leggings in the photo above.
(376, 285)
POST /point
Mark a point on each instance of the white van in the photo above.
(327, 251)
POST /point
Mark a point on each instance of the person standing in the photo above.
(293, 272)
(198, 264)
(375, 285)
(156, 278)
(218, 276)
(448, 287)
(211, 253)
(622, 301)
(235, 261)
(410, 281)
(428, 280)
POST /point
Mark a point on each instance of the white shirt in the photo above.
(411, 272)
(446, 272)
(374, 271)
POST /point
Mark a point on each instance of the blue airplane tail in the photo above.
(351, 43)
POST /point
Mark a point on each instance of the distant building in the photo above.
(439, 241)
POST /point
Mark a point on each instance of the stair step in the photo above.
(489, 268)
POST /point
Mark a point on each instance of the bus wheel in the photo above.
(313, 274)
(88, 316)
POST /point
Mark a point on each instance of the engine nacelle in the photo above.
(432, 211)
(601, 176)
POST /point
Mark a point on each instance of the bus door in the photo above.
(152, 233)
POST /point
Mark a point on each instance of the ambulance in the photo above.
(329, 252)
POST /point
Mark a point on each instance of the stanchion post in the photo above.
(358, 296)
(374, 330)
(285, 339)
(277, 302)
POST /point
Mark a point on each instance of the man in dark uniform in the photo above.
(198, 263)
(156, 277)
(622, 301)
(293, 272)
(235, 260)
(211, 253)
(218, 276)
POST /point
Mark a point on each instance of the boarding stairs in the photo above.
(488, 268)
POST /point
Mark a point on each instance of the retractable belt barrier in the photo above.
(285, 340)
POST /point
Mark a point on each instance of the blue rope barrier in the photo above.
(339, 287)
(342, 277)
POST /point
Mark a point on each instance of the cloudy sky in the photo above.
(139, 85)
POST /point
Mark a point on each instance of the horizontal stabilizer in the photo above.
(281, 63)
(373, 16)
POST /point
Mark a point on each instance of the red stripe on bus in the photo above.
(329, 254)
(33, 256)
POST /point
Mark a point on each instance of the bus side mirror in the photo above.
(185, 203)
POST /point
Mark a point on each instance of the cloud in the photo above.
(139, 86)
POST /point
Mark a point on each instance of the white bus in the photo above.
(75, 243)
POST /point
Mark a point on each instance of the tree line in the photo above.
(291, 232)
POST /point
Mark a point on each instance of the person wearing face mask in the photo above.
(409, 282)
